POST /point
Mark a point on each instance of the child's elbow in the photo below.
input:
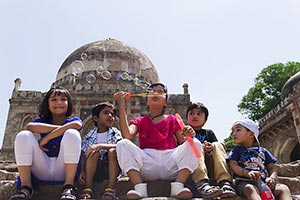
(78, 125)
(28, 126)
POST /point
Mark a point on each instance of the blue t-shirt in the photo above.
(54, 144)
(49, 146)
(252, 159)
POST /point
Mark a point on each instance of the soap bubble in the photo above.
(124, 76)
(106, 75)
(99, 68)
(77, 68)
(136, 81)
(90, 78)
(144, 84)
(129, 78)
(84, 56)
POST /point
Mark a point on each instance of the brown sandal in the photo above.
(206, 191)
(109, 194)
(228, 191)
(87, 193)
(22, 195)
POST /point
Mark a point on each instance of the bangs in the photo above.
(59, 92)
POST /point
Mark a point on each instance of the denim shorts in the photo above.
(239, 185)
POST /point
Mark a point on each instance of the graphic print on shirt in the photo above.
(253, 159)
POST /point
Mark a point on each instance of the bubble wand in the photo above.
(188, 137)
(128, 95)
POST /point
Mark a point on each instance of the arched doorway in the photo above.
(295, 154)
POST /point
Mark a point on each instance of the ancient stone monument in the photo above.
(92, 73)
(95, 71)
(280, 128)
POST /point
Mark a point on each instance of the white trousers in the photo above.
(157, 164)
(28, 153)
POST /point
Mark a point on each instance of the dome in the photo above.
(109, 55)
(288, 86)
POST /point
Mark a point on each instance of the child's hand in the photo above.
(270, 182)
(254, 175)
(188, 130)
(208, 148)
(43, 142)
(91, 151)
(81, 178)
(120, 97)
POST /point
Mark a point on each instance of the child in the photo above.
(214, 157)
(56, 155)
(250, 162)
(157, 156)
(100, 142)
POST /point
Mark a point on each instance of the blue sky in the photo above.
(218, 47)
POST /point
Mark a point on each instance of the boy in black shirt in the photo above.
(214, 156)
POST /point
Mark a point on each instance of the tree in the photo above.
(266, 93)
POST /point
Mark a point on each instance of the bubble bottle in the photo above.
(265, 191)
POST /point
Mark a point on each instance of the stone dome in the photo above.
(288, 86)
(113, 56)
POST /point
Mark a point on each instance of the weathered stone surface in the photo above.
(159, 190)
(7, 183)
(7, 188)
(5, 175)
(291, 169)
(8, 165)
(292, 183)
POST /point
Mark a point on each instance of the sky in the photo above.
(218, 47)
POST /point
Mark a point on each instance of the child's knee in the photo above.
(72, 135)
(24, 137)
(111, 153)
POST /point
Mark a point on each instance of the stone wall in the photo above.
(278, 132)
(23, 106)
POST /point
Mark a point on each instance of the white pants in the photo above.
(28, 153)
(157, 164)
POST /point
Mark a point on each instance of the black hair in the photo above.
(164, 88)
(197, 105)
(43, 108)
(159, 84)
(100, 106)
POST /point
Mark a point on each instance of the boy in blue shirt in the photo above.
(251, 162)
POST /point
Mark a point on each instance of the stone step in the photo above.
(157, 190)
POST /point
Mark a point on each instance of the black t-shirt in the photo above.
(206, 135)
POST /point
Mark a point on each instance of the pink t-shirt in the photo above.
(160, 136)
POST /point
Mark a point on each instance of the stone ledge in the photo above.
(156, 189)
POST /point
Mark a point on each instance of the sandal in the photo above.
(207, 191)
(228, 191)
(68, 192)
(25, 192)
(87, 193)
(109, 194)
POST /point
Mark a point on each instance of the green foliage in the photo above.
(229, 143)
(265, 94)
